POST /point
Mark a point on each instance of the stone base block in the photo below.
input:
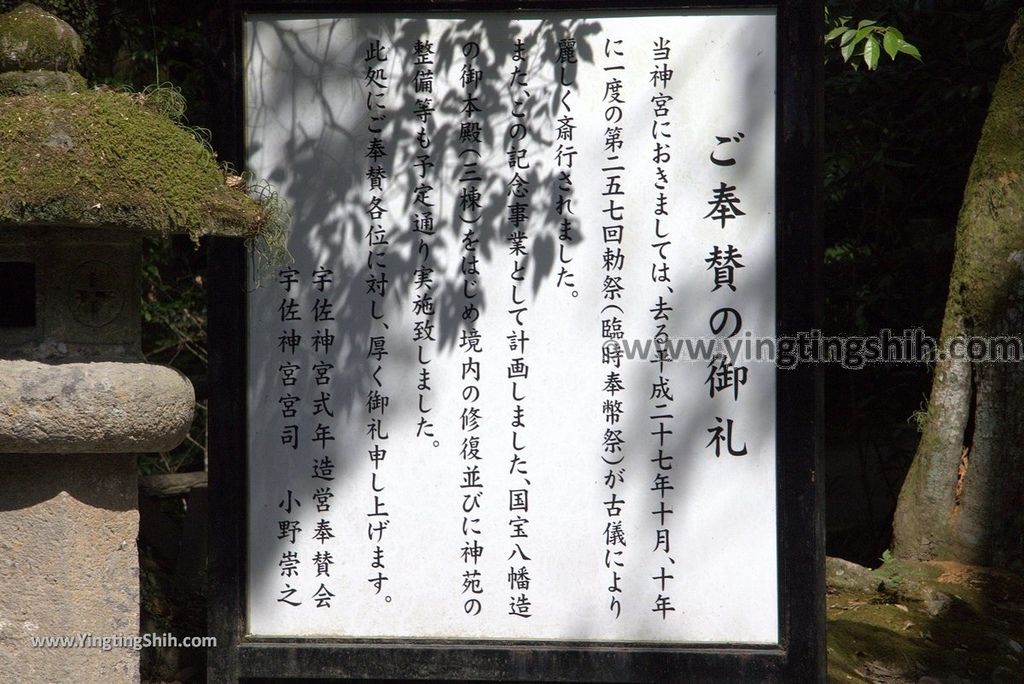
(68, 566)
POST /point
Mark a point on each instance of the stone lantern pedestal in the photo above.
(76, 405)
(83, 173)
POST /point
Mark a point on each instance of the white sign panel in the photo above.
(470, 415)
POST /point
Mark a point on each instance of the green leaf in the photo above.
(891, 43)
(908, 49)
(866, 22)
(871, 52)
(847, 49)
(862, 34)
(895, 31)
(848, 37)
(835, 33)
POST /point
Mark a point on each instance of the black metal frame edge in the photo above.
(800, 655)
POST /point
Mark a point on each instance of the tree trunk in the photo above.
(963, 498)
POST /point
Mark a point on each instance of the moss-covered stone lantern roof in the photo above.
(103, 158)
(32, 39)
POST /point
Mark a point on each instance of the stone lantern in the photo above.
(83, 173)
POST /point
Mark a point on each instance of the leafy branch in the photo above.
(867, 41)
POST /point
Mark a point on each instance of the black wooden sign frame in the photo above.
(800, 654)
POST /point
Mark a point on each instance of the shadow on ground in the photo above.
(924, 622)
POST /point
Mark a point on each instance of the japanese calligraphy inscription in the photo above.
(482, 400)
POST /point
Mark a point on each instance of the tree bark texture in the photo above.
(963, 498)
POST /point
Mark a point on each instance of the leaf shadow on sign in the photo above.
(325, 173)
(324, 176)
(325, 179)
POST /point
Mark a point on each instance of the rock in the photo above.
(102, 407)
(172, 484)
(33, 39)
(39, 81)
(843, 575)
(936, 602)
(135, 170)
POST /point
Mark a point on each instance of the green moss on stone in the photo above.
(990, 228)
(946, 620)
(32, 39)
(100, 158)
(82, 15)
(39, 82)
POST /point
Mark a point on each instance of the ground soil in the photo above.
(924, 622)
